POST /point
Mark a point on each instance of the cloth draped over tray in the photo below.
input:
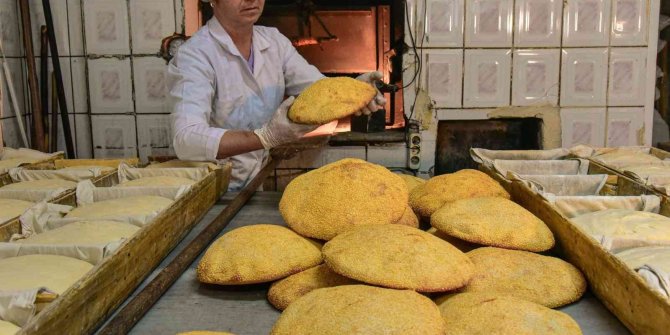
(9, 153)
(488, 156)
(76, 175)
(128, 173)
(35, 195)
(88, 193)
(562, 185)
(18, 307)
(620, 229)
(571, 206)
(541, 167)
(656, 176)
(44, 217)
(652, 264)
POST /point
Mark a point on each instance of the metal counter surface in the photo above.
(189, 305)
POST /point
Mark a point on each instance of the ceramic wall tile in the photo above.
(83, 135)
(334, 154)
(535, 76)
(624, 126)
(487, 78)
(393, 155)
(114, 136)
(538, 23)
(488, 23)
(59, 12)
(463, 114)
(154, 137)
(150, 89)
(629, 23)
(583, 126)
(444, 22)
(10, 33)
(79, 88)
(75, 28)
(15, 66)
(584, 77)
(151, 21)
(627, 73)
(586, 23)
(305, 159)
(106, 27)
(110, 86)
(444, 76)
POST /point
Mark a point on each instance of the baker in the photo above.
(227, 85)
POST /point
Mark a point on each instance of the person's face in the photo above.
(238, 12)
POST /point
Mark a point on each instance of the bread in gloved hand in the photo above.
(330, 99)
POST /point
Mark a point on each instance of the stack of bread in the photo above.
(348, 263)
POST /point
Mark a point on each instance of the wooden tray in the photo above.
(94, 297)
(68, 197)
(6, 179)
(622, 290)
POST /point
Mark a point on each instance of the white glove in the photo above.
(280, 129)
(378, 102)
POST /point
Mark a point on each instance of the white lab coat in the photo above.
(213, 90)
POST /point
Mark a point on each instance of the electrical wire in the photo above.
(417, 87)
(417, 68)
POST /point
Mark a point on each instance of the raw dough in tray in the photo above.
(56, 273)
(42, 184)
(84, 232)
(11, 208)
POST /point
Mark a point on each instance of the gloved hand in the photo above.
(378, 102)
(280, 129)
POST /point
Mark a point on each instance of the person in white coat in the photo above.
(226, 87)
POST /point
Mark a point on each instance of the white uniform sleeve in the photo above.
(190, 81)
(298, 74)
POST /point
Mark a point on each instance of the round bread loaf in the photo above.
(360, 310)
(409, 218)
(257, 254)
(327, 201)
(57, 273)
(545, 280)
(84, 232)
(486, 313)
(330, 99)
(447, 188)
(495, 222)
(461, 245)
(11, 208)
(158, 181)
(399, 257)
(411, 181)
(41, 184)
(282, 293)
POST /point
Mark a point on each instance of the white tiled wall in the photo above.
(591, 58)
(111, 71)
